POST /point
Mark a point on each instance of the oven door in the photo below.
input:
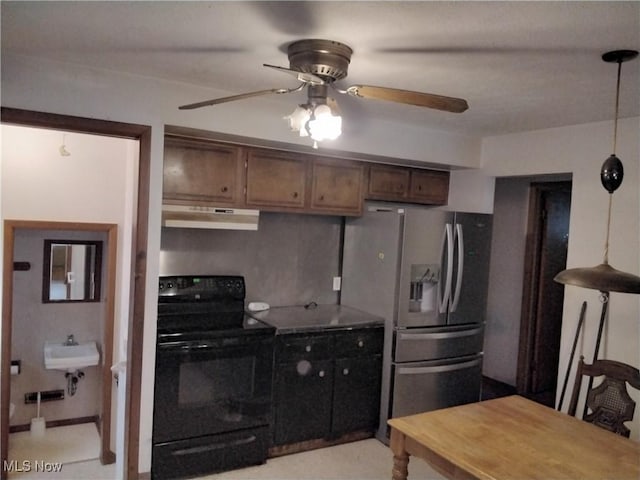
(213, 385)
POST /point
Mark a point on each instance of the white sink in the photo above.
(70, 358)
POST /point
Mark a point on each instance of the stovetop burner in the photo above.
(191, 307)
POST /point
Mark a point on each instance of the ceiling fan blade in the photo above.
(429, 100)
(301, 76)
(241, 96)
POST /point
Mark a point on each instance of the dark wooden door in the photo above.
(542, 301)
(554, 210)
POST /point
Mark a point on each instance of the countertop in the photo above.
(298, 319)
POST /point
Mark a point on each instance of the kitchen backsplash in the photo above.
(290, 260)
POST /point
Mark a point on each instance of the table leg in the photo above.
(400, 470)
(400, 456)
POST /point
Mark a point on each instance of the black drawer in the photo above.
(292, 348)
(209, 454)
(363, 341)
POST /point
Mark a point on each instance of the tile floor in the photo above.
(364, 460)
(59, 445)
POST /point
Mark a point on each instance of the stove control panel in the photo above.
(201, 287)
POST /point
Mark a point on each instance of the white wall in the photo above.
(580, 150)
(504, 301)
(471, 190)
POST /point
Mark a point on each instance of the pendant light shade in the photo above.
(603, 277)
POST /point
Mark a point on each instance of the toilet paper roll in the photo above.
(38, 426)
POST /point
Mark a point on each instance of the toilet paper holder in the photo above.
(16, 366)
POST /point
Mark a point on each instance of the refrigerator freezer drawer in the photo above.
(426, 386)
(418, 344)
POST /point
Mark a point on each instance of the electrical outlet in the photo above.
(337, 283)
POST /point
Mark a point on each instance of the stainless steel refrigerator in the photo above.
(426, 272)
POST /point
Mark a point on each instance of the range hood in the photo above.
(194, 216)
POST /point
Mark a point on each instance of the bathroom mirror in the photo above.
(72, 271)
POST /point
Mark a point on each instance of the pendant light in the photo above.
(604, 277)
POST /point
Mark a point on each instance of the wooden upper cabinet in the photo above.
(203, 172)
(337, 187)
(276, 179)
(431, 187)
(388, 183)
(406, 184)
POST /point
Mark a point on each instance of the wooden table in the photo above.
(511, 438)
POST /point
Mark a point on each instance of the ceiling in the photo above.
(520, 65)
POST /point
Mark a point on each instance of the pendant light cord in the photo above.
(606, 243)
(615, 121)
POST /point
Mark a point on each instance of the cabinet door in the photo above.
(201, 171)
(356, 394)
(337, 187)
(275, 180)
(388, 183)
(430, 187)
(303, 401)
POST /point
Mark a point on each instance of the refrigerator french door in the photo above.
(426, 272)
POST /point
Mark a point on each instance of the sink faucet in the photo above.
(71, 341)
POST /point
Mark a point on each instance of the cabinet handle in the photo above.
(295, 194)
(345, 371)
(360, 344)
(224, 189)
(419, 187)
(321, 373)
(307, 348)
(322, 198)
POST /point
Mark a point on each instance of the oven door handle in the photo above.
(187, 346)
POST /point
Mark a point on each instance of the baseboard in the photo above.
(280, 450)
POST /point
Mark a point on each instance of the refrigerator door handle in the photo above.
(460, 244)
(439, 335)
(447, 241)
(437, 368)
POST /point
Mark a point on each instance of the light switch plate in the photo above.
(337, 283)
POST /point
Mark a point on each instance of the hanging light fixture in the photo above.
(320, 118)
(604, 277)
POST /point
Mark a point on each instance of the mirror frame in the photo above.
(46, 270)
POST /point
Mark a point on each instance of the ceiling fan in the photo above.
(317, 64)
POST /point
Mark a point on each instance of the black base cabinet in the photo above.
(327, 384)
(303, 405)
(356, 394)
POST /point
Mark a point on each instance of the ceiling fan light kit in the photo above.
(317, 64)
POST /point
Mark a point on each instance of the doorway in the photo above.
(542, 299)
(135, 325)
(24, 239)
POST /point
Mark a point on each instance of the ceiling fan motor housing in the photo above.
(326, 58)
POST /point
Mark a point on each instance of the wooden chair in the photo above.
(609, 402)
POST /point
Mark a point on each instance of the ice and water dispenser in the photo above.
(424, 288)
